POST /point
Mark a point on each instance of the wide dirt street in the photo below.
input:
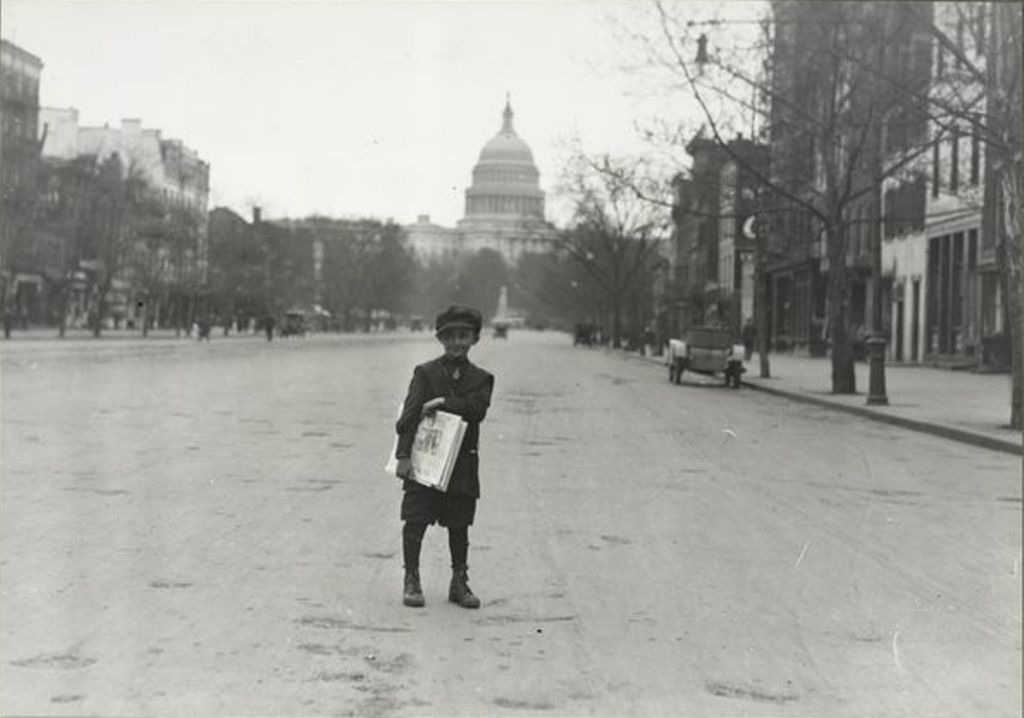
(206, 529)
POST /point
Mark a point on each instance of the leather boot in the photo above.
(458, 590)
(413, 595)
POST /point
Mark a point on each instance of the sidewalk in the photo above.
(958, 405)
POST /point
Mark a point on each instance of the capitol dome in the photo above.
(506, 182)
(506, 146)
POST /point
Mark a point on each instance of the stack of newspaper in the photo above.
(435, 449)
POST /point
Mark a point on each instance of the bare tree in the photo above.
(1005, 124)
(615, 236)
(148, 253)
(392, 270)
(66, 196)
(236, 262)
(365, 267)
(857, 104)
(107, 237)
(554, 290)
(822, 116)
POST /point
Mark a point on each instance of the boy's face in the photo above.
(457, 342)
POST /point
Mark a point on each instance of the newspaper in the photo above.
(434, 450)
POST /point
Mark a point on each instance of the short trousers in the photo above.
(422, 504)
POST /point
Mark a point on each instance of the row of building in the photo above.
(942, 299)
(64, 237)
(49, 268)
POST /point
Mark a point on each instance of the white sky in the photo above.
(350, 108)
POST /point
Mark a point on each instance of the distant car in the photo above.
(583, 334)
(706, 350)
(293, 324)
(500, 329)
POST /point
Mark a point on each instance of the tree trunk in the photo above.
(193, 312)
(145, 317)
(229, 315)
(616, 319)
(761, 308)
(844, 379)
(1011, 261)
(178, 319)
(1004, 67)
(62, 319)
(100, 310)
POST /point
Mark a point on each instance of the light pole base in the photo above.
(876, 378)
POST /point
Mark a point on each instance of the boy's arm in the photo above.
(411, 411)
(473, 405)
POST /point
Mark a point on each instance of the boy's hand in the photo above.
(433, 405)
(404, 469)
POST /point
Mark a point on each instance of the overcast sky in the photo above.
(344, 108)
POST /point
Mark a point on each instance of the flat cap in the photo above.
(458, 317)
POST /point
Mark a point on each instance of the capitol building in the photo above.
(504, 205)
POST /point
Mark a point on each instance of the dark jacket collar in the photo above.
(450, 362)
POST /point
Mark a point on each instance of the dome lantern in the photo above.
(506, 127)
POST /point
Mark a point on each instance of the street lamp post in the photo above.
(754, 230)
(761, 300)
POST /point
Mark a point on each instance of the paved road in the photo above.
(206, 529)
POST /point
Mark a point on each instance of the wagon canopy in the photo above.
(709, 338)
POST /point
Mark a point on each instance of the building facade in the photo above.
(430, 240)
(711, 255)
(835, 133)
(946, 303)
(22, 276)
(162, 261)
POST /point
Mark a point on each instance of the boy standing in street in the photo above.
(450, 383)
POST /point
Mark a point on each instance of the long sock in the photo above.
(412, 540)
(458, 544)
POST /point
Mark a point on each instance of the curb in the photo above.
(945, 432)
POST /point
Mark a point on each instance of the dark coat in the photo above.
(469, 396)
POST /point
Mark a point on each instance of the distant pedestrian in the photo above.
(749, 334)
(203, 329)
(268, 327)
(8, 322)
(453, 384)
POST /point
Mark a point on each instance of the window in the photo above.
(936, 161)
